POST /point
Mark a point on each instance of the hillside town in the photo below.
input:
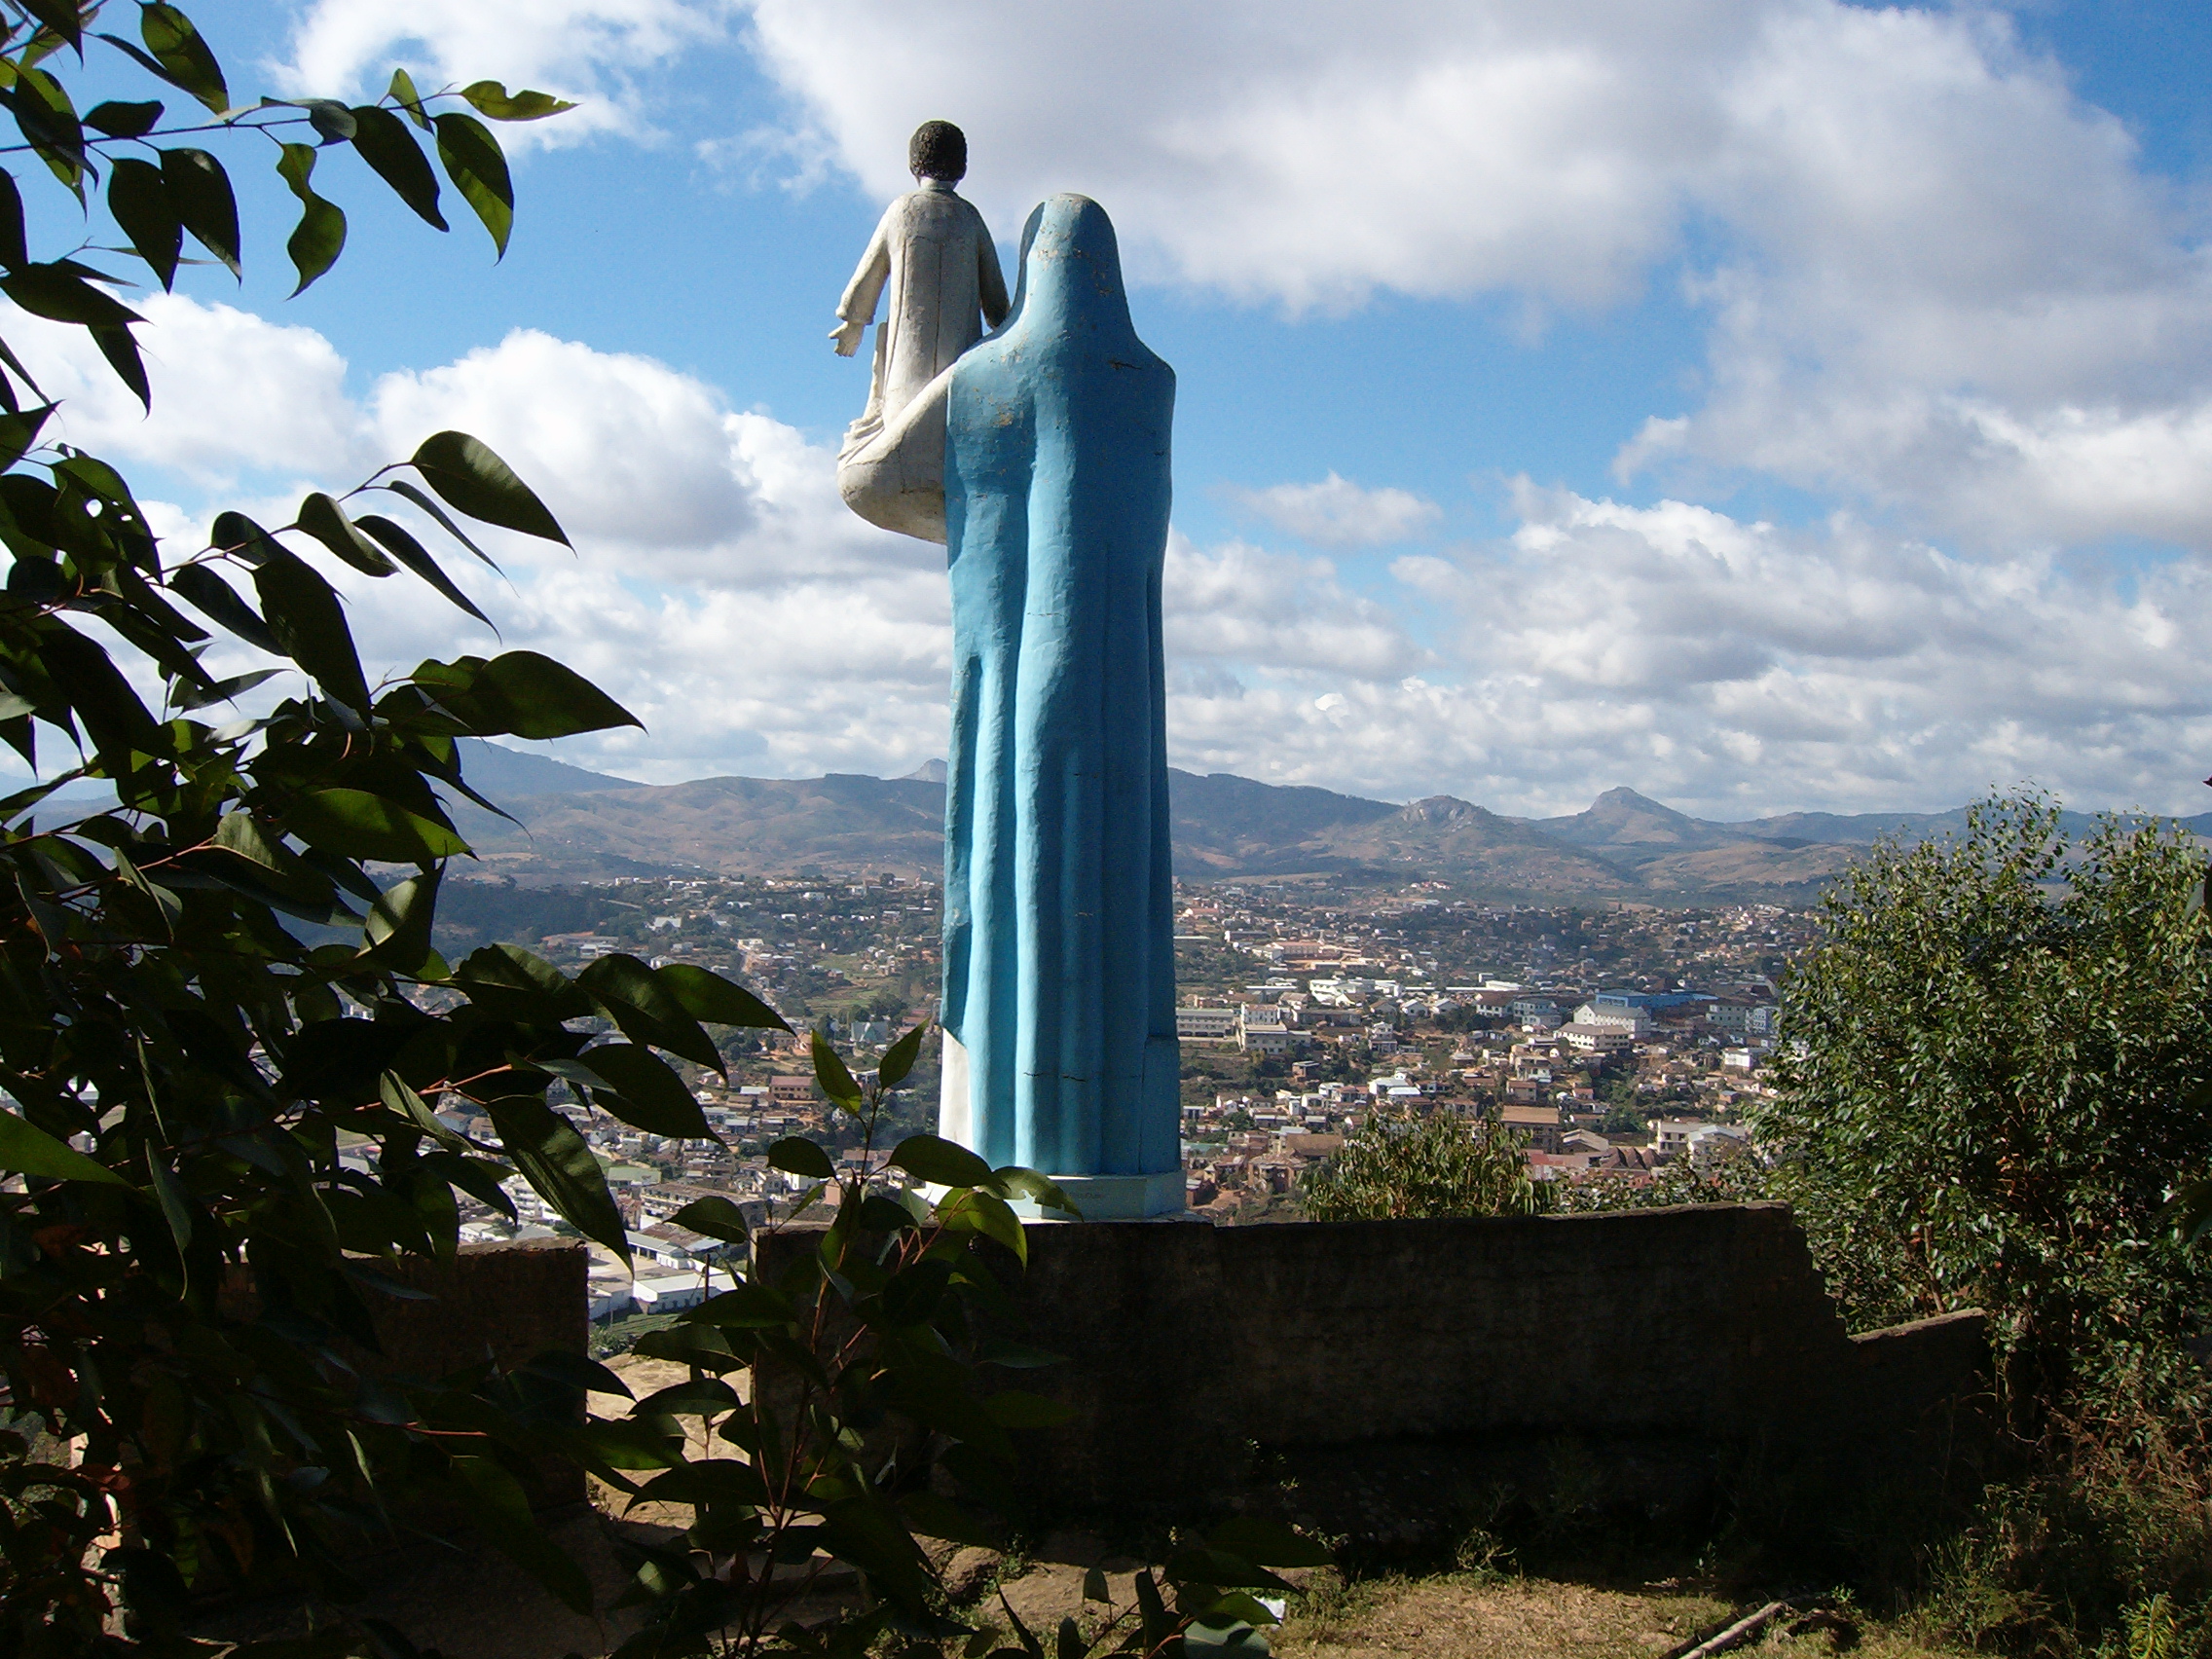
(1611, 1041)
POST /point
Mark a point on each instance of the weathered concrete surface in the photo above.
(508, 1303)
(505, 1302)
(1677, 1342)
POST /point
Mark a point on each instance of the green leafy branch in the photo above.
(185, 190)
(868, 1423)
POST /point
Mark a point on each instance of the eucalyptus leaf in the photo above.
(489, 98)
(357, 825)
(402, 93)
(28, 1149)
(798, 1156)
(473, 160)
(137, 196)
(646, 1093)
(184, 58)
(321, 235)
(409, 552)
(533, 696)
(471, 479)
(385, 144)
(940, 1162)
(709, 997)
(122, 120)
(714, 1216)
(831, 1072)
(323, 518)
(555, 1161)
(216, 600)
(304, 614)
(199, 190)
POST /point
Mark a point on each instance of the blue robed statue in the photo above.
(1052, 481)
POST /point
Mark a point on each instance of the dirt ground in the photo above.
(471, 1603)
(1484, 1616)
(1451, 1616)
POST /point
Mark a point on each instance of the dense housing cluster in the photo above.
(1611, 1039)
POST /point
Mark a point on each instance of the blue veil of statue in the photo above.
(1060, 923)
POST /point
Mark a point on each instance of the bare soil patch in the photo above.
(1482, 1616)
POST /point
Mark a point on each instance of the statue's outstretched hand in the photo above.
(848, 336)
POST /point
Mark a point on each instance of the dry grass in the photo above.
(1482, 1616)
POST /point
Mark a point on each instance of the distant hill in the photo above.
(1621, 820)
(496, 770)
(1229, 824)
(725, 825)
(570, 825)
(1445, 838)
(575, 825)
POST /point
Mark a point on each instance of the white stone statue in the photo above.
(933, 254)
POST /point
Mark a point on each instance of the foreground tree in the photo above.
(188, 1272)
(1992, 1070)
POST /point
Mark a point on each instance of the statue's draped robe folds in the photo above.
(1060, 971)
(933, 254)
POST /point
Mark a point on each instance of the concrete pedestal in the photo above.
(1113, 1198)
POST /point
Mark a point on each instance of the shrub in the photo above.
(1994, 1067)
(2103, 1543)
(1400, 1166)
(1737, 1180)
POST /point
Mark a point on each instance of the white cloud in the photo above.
(1938, 284)
(232, 393)
(631, 451)
(1960, 297)
(1276, 151)
(718, 588)
(1732, 668)
(591, 51)
(1938, 281)
(1739, 668)
(1240, 605)
(1338, 513)
(721, 591)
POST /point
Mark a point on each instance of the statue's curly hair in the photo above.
(938, 150)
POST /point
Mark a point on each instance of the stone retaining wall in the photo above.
(1700, 1336)
(508, 1303)
(1696, 1337)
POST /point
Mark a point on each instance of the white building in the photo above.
(1262, 1030)
(1590, 1037)
(1618, 1016)
(1341, 992)
(1208, 1023)
(607, 1293)
(1397, 1087)
(668, 1245)
(672, 1293)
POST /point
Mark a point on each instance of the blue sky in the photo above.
(727, 272)
(1767, 404)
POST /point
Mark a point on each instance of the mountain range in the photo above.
(571, 825)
